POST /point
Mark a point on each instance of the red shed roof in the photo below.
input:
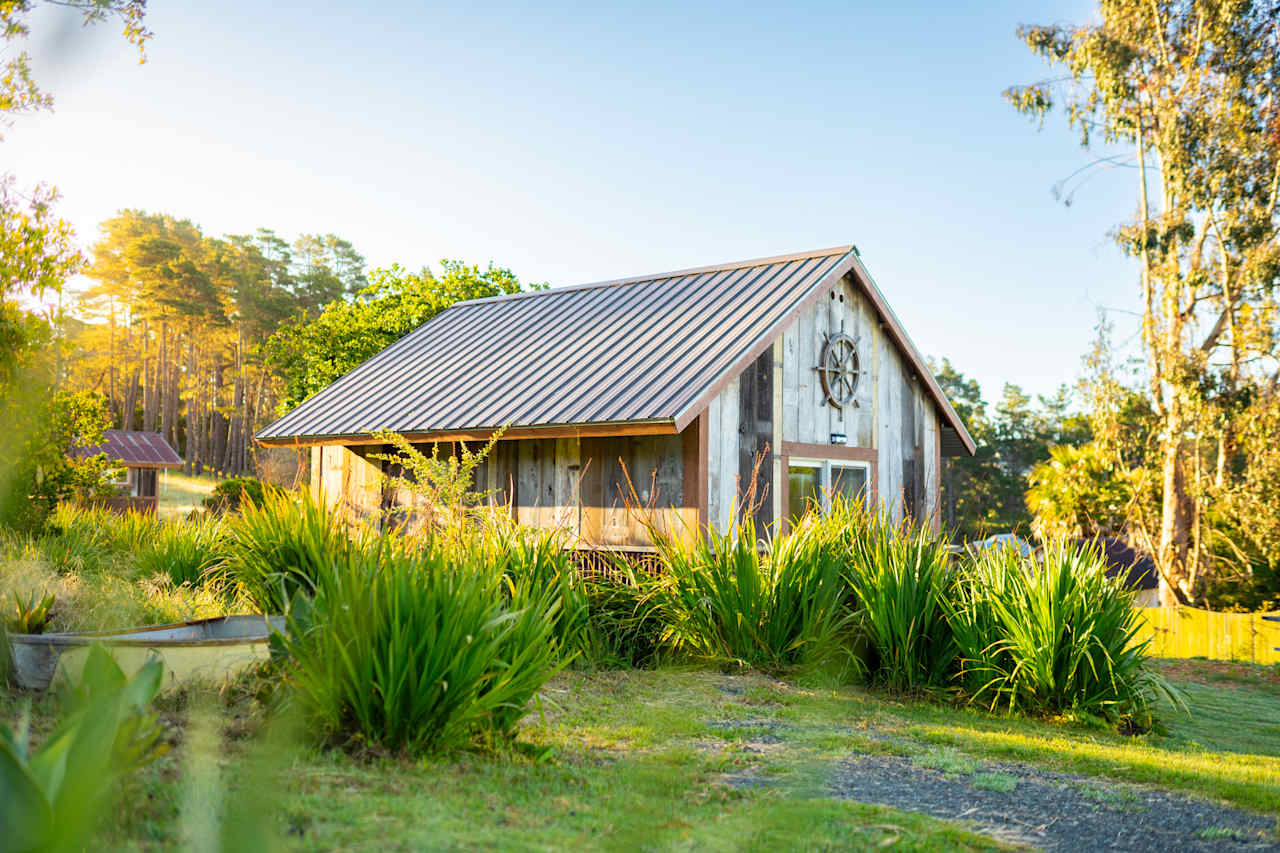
(134, 449)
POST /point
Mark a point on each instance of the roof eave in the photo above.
(658, 426)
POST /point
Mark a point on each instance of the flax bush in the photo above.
(898, 578)
(1053, 635)
(184, 551)
(731, 597)
(406, 650)
(279, 547)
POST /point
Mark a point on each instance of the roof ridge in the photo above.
(640, 279)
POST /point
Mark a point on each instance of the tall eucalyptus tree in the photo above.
(1190, 87)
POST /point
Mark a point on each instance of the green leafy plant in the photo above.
(728, 596)
(621, 631)
(184, 551)
(29, 614)
(232, 494)
(129, 532)
(899, 578)
(280, 547)
(420, 649)
(52, 797)
(1053, 635)
(533, 561)
(443, 487)
(138, 734)
(78, 543)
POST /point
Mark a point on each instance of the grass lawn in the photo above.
(689, 759)
(178, 494)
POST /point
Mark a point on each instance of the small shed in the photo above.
(764, 384)
(140, 456)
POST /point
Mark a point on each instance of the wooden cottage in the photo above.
(790, 372)
(139, 457)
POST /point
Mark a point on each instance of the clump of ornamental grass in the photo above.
(532, 561)
(279, 547)
(730, 596)
(184, 551)
(114, 532)
(898, 577)
(131, 531)
(621, 632)
(409, 650)
(1053, 635)
(78, 540)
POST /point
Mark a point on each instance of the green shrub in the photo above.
(184, 551)
(899, 578)
(88, 539)
(727, 596)
(234, 494)
(1053, 635)
(532, 561)
(410, 650)
(621, 631)
(78, 540)
(51, 798)
(130, 532)
(280, 547)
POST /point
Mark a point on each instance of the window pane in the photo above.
(850, 481)
(802, 488)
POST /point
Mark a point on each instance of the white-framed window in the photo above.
(813, 481)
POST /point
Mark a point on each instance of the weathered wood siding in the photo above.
(600, 490)
(806, 415)
(345, 479)
(723, 500)
(894, 416)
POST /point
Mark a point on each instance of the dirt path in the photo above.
(1052, 811)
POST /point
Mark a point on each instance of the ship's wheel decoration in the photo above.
(839, 370)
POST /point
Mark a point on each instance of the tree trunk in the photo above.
(231, 465)
(150, 398)
(1175, 518)
(130, 400)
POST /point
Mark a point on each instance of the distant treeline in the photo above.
(171, 329)
(204, 339)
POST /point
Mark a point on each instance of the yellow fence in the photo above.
(1184, 632)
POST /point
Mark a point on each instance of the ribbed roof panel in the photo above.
(134, 448)
(628, 351)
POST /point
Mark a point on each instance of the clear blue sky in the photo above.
(576, 144)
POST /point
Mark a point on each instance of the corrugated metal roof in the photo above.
(643, 350)
(135, 449)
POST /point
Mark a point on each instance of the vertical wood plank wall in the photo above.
(582, 485)
(894, 415)
(722, 457)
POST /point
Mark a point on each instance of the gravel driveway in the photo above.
(1054, 811)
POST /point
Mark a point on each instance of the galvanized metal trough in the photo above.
(195, 650)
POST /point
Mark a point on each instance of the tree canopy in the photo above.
(310, 353)
(1189, 87)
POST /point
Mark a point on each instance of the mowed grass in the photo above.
(692, 759)
(1225, 745)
